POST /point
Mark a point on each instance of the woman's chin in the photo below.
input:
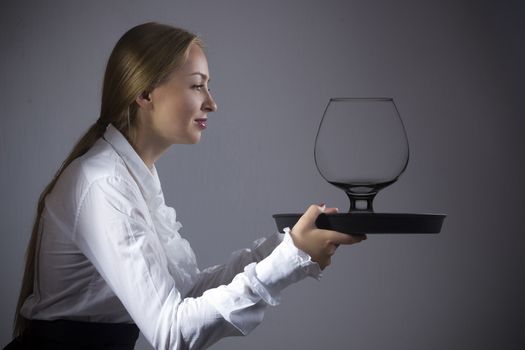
(196, 138)
(187, 140)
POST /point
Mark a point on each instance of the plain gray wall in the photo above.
(455, 70)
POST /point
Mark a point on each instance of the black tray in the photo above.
(356, 222)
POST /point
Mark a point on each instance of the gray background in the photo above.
(455, 70)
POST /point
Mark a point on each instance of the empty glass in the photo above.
(361, 147)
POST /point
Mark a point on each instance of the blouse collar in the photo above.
(147, 179)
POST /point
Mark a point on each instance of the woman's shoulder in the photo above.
(98, 165)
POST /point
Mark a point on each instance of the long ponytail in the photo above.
(80, 148)
(141, 60)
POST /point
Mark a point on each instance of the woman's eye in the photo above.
(198, 87)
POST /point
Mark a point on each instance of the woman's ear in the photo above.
(144, 99)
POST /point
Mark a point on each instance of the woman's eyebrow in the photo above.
(201, 74)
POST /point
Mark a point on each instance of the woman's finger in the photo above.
(344, 238)
(310, 215)
(332, 248)
(331, 211)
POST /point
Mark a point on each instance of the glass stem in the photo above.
(361, 203)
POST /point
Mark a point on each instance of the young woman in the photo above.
(105, 258)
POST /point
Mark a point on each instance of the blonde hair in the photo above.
(143, 58)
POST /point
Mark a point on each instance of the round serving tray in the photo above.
(366, 222)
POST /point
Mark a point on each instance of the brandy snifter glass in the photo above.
(361, 147)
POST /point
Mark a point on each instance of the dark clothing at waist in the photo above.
(65, 334)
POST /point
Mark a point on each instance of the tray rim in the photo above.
(364, 213)
(428, 223)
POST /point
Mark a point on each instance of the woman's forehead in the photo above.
(196, 64)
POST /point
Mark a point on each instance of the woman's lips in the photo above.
(201, 123)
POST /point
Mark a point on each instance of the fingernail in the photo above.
(323, 207)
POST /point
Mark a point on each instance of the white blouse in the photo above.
(110, 251)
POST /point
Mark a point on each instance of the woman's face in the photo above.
(177, 109)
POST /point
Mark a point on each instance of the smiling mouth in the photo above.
(202, 122)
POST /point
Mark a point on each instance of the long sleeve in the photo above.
(113, 229)
(217, 275)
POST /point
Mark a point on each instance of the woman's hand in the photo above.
(320, 244)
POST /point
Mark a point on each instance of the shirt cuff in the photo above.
(286, 265)
(263, 247)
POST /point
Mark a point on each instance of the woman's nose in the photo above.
(209, 104)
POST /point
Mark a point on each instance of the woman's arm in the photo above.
(217, 275)
(113, 230)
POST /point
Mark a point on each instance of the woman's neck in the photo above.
(148, 147)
